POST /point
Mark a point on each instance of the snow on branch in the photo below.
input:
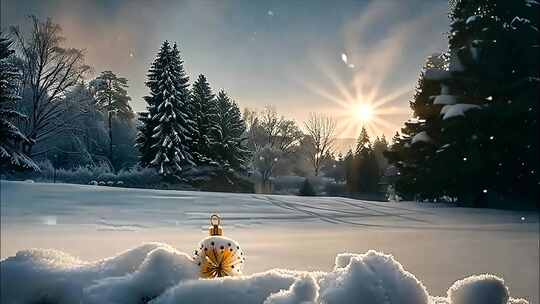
(421, 137)
(456, 110)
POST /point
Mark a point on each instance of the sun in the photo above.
(363, 112)
(358, 100)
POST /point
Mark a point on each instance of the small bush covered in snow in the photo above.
(92, 175)
(158, 274)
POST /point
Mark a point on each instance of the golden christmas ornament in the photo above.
(218, 256)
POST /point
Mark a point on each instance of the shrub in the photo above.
(93, 175)
(335, 189)
(307, 189)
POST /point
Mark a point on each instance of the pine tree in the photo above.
(380, 146)
(230, 141)
(144, 140)
(365, 164)
(205, 116)
(112, 99)
(363, 143)
(168, 114)
(490, 133)
(11, 138)
(479, 136)
(413, 152)
(351, 175)
(395, 141)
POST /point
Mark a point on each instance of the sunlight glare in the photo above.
(364, 112)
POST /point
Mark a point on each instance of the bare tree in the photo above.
(264, 161)
(269, 121)
(268, 128)
(321, 132)
(289, 136)
(49, 72)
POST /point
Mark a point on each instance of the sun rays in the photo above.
(358, 104)
(368, 80)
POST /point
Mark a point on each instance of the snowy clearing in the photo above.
(437, 244)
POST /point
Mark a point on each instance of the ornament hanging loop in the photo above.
(215, 228)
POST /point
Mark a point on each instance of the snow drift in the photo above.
(158, 274)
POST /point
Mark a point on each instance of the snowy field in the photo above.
(437, 244)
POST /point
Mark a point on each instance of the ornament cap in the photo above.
(215, 228)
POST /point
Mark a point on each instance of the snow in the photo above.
(383, 280)
(146, 271)
(483, 289)
(531, 3)
(456, 110)
(93, 223)
(472, 19)
(344, 58)
(304, 290)
(421, 137)
(445, 100)
(159, 274)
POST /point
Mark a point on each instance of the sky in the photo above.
(333, 57)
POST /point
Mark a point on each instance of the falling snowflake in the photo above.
(344, 58)
(270, 13)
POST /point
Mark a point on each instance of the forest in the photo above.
(472, 137)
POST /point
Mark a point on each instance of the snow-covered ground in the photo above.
(438, 245)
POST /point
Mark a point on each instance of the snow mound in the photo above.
(254, 288)
(371, 278)
(303, 290)
(158, 274)
(50, 276)
(481, 289)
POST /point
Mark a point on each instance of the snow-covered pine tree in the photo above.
(413, 153)
(489, 141)
(11, 139)
(230, 141)
(206, 118)
(169, 112)
(144, 141)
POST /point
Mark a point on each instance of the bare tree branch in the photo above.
(321, 133)
(50, 72)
